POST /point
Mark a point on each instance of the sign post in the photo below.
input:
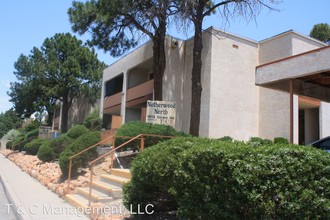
(161, 112)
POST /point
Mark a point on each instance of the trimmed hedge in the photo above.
(93, 121)
(280, 140)
(59, 144)
(257, 141)
(32, 147)
(134, 128)
(46, 153)
(33, 133)
(211, 179)
(78, 145)
(77, 131)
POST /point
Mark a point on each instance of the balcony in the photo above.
(135, 95)
(112, 103)
(139, 94)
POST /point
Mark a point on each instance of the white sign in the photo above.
(161, 112)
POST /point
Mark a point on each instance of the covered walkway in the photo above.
(306, 74)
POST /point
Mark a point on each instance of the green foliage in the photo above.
(12, 135)
(35, 124)
(9, 144)
(78, 145)
(59, 144)
(77, 131)
(280, 140)
(19, 143)
(33, 146)
(32, 133)
(257, 141)
(134, 128)
(63, 68)
(45, 153)
(321, 32)
(93, 121)
(9, 120)
(226, 138)
(211, 179)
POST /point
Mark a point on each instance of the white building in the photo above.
(232, 103)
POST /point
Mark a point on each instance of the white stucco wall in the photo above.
(233, 95)
(174, 79)
(324, 119)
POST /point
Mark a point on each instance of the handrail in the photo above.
(91, 163)
(83, 151)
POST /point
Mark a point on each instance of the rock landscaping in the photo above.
(49, 174)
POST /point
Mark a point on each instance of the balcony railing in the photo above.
(113, 100)
(141, 90)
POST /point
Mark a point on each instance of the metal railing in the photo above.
(83, 151)
(140, 137)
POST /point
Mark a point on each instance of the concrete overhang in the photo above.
(310, 72)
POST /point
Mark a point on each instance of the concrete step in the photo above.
(107, 188)
(125, 173)
(96, 195)
(77, 201)
(114, 180)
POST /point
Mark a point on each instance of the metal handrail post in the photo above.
(90, 184)
(69, 174)
(142, 143)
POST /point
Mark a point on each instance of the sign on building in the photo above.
(161, 112)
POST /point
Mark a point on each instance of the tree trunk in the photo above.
(159, 61)
(64, 114)
(196, 86)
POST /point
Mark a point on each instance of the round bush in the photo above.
(280, 140)
(45, 153)
(59, 144)
(32, 147)
(19, 143)
(77, 131)
(9, 144)
(134, 128)
(93, 121)
(211, 179)
(78, 145)
(31, 134)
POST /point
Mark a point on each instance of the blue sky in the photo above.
(26, 24)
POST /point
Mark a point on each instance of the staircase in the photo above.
(105, 188)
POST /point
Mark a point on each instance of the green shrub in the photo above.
(78, 145)
(280, 140)
(134, 128)
(19, 143)
(32, 134)
(211, 179)
(77, 131)
(93, 121)
(45, 153)
(33, 146)
(257, 141)
(59, 144)
(32, 126)
(226, 138)
(9, 144)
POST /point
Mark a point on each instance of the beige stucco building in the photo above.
(234, 101)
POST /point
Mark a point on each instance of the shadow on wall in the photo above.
(80, 109)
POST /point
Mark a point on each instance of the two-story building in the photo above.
(238, 99)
